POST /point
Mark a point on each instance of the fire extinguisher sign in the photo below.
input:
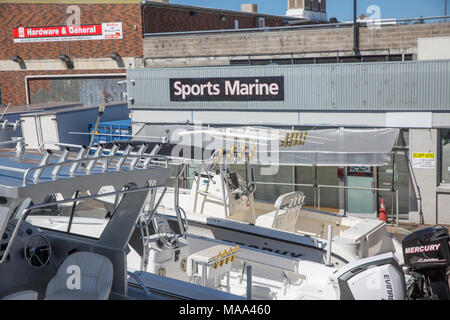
(102, 31)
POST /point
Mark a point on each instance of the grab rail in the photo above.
(140, 282)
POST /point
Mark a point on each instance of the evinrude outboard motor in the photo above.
(375, 278)
(427, 255)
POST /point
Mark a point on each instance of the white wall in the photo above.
(433, 48)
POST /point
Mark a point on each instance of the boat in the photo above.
(62, 240)
(220, 203)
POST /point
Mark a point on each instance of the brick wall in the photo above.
(296, 41)
(13, 83)
(162, 19)
(12, 15)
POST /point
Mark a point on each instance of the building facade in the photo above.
(61, 50)
(103, 39)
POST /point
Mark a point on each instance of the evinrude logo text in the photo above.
(427, 248)
(390, 293)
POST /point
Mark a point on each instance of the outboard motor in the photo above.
(427, 255)
(375, 278)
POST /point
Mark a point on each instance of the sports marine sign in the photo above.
(102, 31)
(227, 89)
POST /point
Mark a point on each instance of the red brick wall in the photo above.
(12, 15)
(158, 19)
(13, 83)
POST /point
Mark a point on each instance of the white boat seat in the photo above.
(286, 203)
(362, 229)
(96, 276)
(22, 295)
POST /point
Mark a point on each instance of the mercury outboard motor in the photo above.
(427, 255)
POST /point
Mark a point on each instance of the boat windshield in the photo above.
(87, 217)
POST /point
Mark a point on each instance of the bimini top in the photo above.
(266, 146)
(322, 147)
(35, 175)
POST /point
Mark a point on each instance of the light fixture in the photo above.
(17, 59)
(222, 18)
(115, 56)
(66, 60)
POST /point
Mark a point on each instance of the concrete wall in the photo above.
(396, 39)
(433, 48)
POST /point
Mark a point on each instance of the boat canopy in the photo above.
(268, 146)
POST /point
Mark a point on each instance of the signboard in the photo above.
(360, 171)
(424, 160)
(227, 89)
(102, 31)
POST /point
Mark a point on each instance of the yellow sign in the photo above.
(424, 160)
(423, 155)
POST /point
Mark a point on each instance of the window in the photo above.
(445, 155)
(1, 96)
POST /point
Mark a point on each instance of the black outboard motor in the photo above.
(427, 255)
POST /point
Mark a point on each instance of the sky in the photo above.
(341, 9)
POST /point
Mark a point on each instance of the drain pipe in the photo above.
(355, 29)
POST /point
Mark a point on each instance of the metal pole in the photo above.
(101, 110)
(249, 282)
(445, 11)
(318, 198)
(355, 28)
(330, 240)
(396, 208)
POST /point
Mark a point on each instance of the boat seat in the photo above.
(22, 295)
(96, 276)
(287, 203)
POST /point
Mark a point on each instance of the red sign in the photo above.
(111, 30)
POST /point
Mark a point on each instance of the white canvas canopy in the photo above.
(322, 147)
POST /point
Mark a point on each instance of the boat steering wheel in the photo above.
(37, 251)
(167, 237)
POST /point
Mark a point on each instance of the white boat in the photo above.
(62, 240)
(220, 204)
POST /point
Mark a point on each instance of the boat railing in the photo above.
(84, 162)
(290, 202)
(135, 276)
(5, 124)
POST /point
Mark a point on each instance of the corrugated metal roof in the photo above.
(390, 86)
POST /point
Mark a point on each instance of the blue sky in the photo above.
(341, 9)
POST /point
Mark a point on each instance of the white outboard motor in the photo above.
(374, 278)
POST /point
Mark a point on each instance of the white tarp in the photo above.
(322, 147)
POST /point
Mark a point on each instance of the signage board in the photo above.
(102, 31)
(424, 160)
(227, 89)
